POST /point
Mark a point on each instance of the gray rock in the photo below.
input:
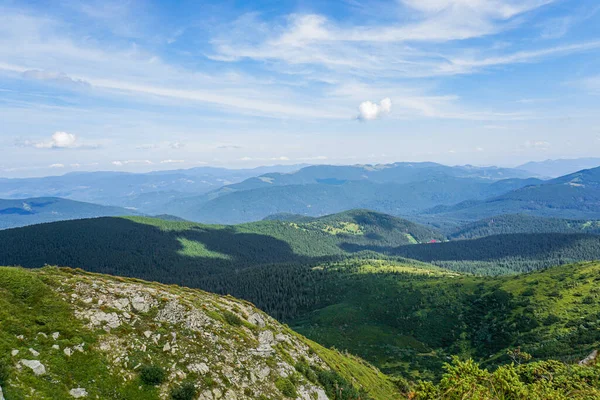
(33, 352)
(257, 320)
(78, 393)
(200, 368)
(589, 359)
(140, 304)
(55, 335)
(14, 352)
(1, 394)
(36, 366)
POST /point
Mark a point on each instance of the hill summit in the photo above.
(69, 334)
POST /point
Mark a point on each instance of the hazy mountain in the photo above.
(21, 212)
(574, 196)
(330, 196)
(555, 168)
(147, 191)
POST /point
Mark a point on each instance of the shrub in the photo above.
(232, 319)
(187, 391)
(152, 375)
(286, 387)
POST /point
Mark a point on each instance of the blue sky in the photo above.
(147, 85)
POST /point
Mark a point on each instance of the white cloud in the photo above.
(369, 111)
(537, 144)
(172, 161)
(120, 163)
(57, 166)
(59, 140)
(176, 145)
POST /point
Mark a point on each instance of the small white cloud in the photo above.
(316, 158)
(479, 149)
(536, 144)
(172, 161)
(57, 166)
(120, 163)
(246, 159)
(59, 140)
(76, 165)
(146, 146)
(176, 145)
(369, 111)
(282, 158)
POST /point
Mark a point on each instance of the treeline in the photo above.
(521, 223)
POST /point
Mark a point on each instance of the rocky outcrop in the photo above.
(590, 359)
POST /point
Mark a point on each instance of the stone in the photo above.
(42, 334)
(79, 347)
(33, 352)
(140, 304)
(167, 347)
(147, 334)
(111, 319)
(589, 360)
(263, 373)
(78, 393)
(68, 351)
(37, 367)
(1, 394)
(55, 335)
(56, 347)
(200, 368)
(14, 352)
(257, 320)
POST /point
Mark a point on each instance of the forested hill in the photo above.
(183, 252)
(500, 254)
(522, 223)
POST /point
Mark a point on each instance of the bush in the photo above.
(187, 391)
(286, 387)
(3, 370)
(152, 375)
(232, 319)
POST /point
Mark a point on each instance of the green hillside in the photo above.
(522, 223)
(408, 317)
(183, 252)
(68, 334)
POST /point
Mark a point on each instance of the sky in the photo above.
(151, 85)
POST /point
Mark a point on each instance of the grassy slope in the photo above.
(31, 305)
(411, 324)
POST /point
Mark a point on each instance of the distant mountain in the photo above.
(22, 212)
(521, 223)
(401, 172)
(146, 192)
(316, 199)
(573, 196)
(555, 168)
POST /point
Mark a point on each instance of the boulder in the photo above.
(78, 393)
(37, 367)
